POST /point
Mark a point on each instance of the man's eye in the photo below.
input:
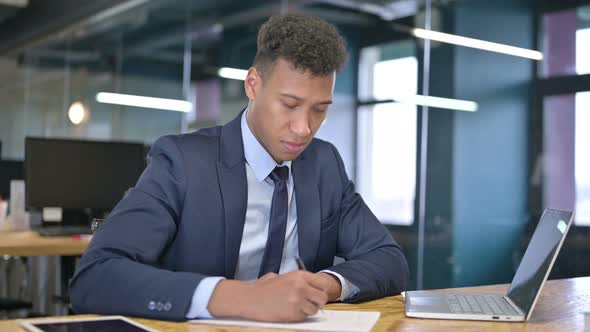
(289, 105)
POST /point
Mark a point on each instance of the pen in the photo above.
(301, 267)
(300, 264)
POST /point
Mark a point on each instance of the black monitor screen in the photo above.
(9, 170)
(75, 174)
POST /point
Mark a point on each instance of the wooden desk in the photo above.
(32, 244)
(558, 309)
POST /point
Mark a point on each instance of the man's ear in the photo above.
(252, 83)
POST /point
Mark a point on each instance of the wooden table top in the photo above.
(558, 309)
(30, 243)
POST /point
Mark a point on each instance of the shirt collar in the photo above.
(256, 155)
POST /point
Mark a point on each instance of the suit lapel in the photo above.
(308, 211)
(234, 192)
(231, 173)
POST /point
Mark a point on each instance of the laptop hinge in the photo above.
(514, 306)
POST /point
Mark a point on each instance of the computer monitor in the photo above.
(76, 174)
(9, 170)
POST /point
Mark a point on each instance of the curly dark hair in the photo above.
(307, 42)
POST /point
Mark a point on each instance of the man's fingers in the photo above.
(309, 308)
(315, 281)
(268, 276)
(316, 296)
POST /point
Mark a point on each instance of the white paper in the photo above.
(329, 320)
(586, 312)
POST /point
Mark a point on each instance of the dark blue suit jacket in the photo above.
(184, 219)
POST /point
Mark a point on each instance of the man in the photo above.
(216, 221)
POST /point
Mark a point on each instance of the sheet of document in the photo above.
(329, 320)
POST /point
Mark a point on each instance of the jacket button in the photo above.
(159, 306)
(152, 305)
(167, 306)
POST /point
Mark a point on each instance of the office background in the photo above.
(460, 184)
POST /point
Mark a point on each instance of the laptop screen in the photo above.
(539, 257)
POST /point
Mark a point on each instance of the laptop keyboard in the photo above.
(479, 304)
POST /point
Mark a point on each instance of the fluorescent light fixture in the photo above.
(147, 102)
(232, 73)
(477, 43)
(438, 102)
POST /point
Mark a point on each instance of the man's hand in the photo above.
(331, 284)
(290, 297)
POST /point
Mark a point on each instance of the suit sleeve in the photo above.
(119, 272)
(374, 261)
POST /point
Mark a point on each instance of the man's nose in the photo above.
(300, 124)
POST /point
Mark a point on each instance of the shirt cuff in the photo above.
(201, 297)
(348, 288)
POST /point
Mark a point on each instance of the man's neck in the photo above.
(253, 131)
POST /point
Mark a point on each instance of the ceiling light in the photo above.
(232, 73)
(437, 102)
(77, 113)
(477, 43)
(142, 101)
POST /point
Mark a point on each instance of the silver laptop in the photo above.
(518, 304)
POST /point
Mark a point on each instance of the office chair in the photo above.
(7, 304)
(65, 299)
(95, 224)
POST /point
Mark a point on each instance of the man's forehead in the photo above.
(284, 66)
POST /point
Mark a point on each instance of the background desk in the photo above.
(558, 309)
(32, 244)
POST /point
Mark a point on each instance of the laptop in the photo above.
(518, 304)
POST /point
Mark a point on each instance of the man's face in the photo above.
(287, 107)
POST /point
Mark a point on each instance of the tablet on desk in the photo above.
(96, 324)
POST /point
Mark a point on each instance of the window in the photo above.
(582, 159)
(583, 51)
(566, 42)
(566, 154)
(387, 135)
(564, 92)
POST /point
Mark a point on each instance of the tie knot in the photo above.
(279, 174)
